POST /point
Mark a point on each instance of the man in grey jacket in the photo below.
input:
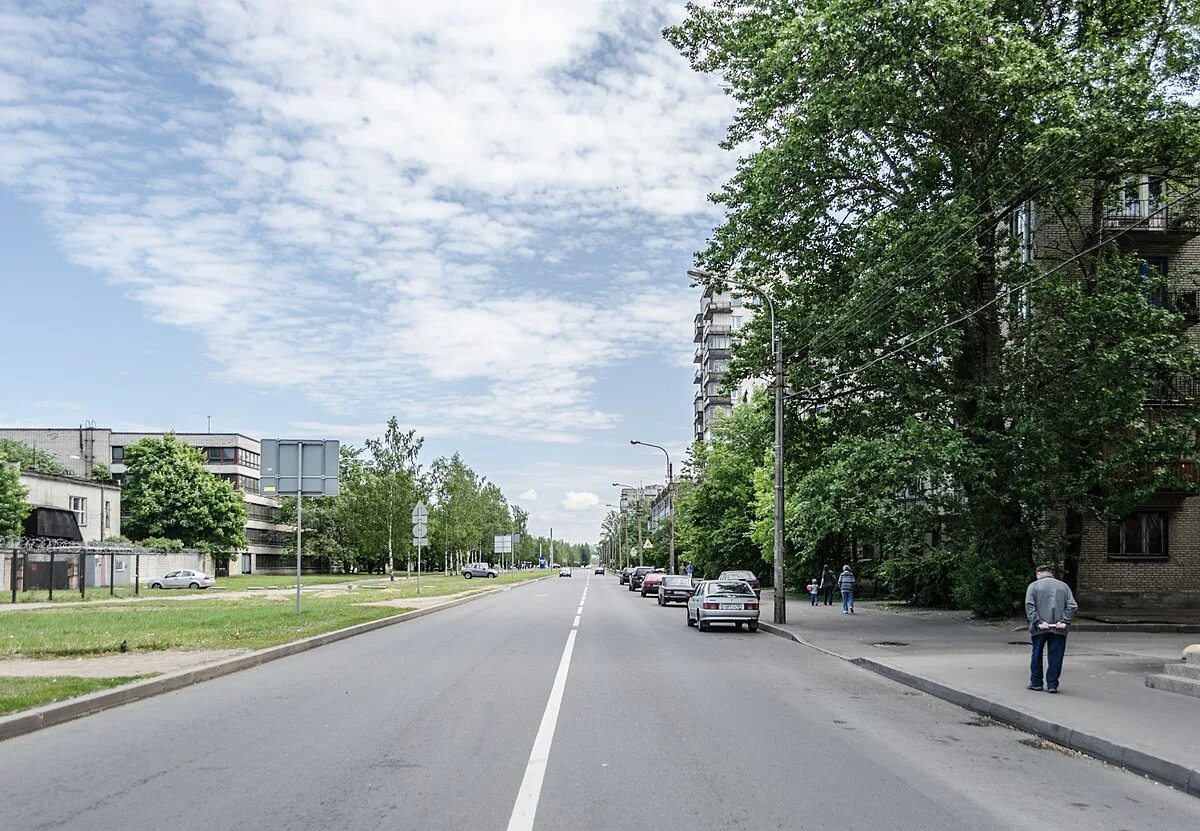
(1049, 606)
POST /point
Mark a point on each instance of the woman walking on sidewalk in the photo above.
(828, 581)
(846, 587)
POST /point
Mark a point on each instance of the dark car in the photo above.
(748, 576)
(651, 582)
(623, 575)
(638, 575)
(675, 588)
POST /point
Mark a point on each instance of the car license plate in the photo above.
(725, 606)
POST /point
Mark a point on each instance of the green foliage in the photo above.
(162, 544)
(170, 493)
(27, 457)
(889, 144)
(926, 579)
(13, 507)
(101, 473)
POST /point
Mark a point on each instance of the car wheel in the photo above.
(156, 585)
(753, 625)
(702, 625)
(467, 576)
(193, 585)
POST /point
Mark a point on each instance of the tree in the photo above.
(896, 143)
(169, 493)
(27, 457)
(391, 488)
(13, 507)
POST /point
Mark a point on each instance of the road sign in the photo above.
(305, 467)
(420, 513)
(420, 529)
(503, 544)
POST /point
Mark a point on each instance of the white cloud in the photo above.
(580, 500)
(375, 200)
(530, 495)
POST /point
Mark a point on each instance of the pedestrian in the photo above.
(828, 581)
(1049, 606)
(814, 589)
(846, 587)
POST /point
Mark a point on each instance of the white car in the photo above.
(564, 572)
(183, 579)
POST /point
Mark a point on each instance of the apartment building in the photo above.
(645, 493)
(231, 456)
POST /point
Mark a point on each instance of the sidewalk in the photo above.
(1103, 707)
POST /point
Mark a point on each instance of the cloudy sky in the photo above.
(299, 218)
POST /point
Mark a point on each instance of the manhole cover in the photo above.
(888, 644)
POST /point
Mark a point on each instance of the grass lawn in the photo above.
(23, 693)
(216, 623)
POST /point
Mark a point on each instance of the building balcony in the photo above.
(696, 358)
(723, 399)
(716, 353)
(718, 307)
(716, 330)
(698, 377)
(1180, 391)
(1153, 220)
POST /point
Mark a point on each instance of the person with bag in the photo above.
(846, 587)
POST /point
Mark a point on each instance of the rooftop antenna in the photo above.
(209, 423)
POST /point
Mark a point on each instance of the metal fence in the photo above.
(35, 565)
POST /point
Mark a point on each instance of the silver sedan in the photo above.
(723, 601)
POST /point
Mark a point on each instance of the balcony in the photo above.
(716, 330)
(1153, 220)
(717, 353)
(718, 307)
(1180, 391)
(696, 358)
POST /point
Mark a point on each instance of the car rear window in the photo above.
(738, 575)
(729, 587)
(677, 581)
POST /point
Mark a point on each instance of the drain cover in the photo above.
(888, 644)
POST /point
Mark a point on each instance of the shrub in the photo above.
(161, 544)
(990, 587)
(926, 579)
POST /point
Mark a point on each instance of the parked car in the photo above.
(564, 572)
(183, 579)
(623, 575)
(675, 588)
(479, 570)
(651, 582)
(723, 601)
(599, 570)
(638, 574)
(748, 576)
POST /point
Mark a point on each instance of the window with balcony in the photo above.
(1140, 536)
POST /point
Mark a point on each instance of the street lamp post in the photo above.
(780, 593)
(670, 497)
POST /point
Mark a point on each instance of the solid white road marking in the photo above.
(525, 809)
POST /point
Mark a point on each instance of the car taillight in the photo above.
(755, 584)
(711, 606)
(752, 606)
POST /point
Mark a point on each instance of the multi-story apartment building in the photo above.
(632, 496)
(231, 456)
(660, 510)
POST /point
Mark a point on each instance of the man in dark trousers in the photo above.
(1049, 606)
(828, 581)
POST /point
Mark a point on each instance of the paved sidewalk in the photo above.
(1103, 706)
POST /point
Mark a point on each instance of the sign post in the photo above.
(299, 468)
(420, 520)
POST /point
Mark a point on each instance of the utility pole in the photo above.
(670, 498)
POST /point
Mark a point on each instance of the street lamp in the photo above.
(637, 516)
(777, 346)
(670, 496)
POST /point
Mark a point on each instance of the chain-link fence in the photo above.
(33, 569)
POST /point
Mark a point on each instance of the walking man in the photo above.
(846, 587)
(828, 581)
(1049, 606)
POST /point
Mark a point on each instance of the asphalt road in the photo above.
(448, 721)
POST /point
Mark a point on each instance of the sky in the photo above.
(301, 218)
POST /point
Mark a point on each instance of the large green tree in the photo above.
(170, 493)
(27, 457)
(13, 507)
(893, 147)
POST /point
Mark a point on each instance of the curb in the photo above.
(1171, 773)
(1150, 628)
(49, 715)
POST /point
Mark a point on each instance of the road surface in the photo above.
(563, 704)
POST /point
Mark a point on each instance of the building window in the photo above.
(1153, 272)
(79, 508)
(221, 455)
(737, 323)
(248, 458)
(118, 454)
(120, 478)
(1141, 535)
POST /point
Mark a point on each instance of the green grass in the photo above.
(23, 693)
(216, 623)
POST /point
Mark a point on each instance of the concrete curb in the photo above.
(1149, 628)
(1170, 773)
(49, 715)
